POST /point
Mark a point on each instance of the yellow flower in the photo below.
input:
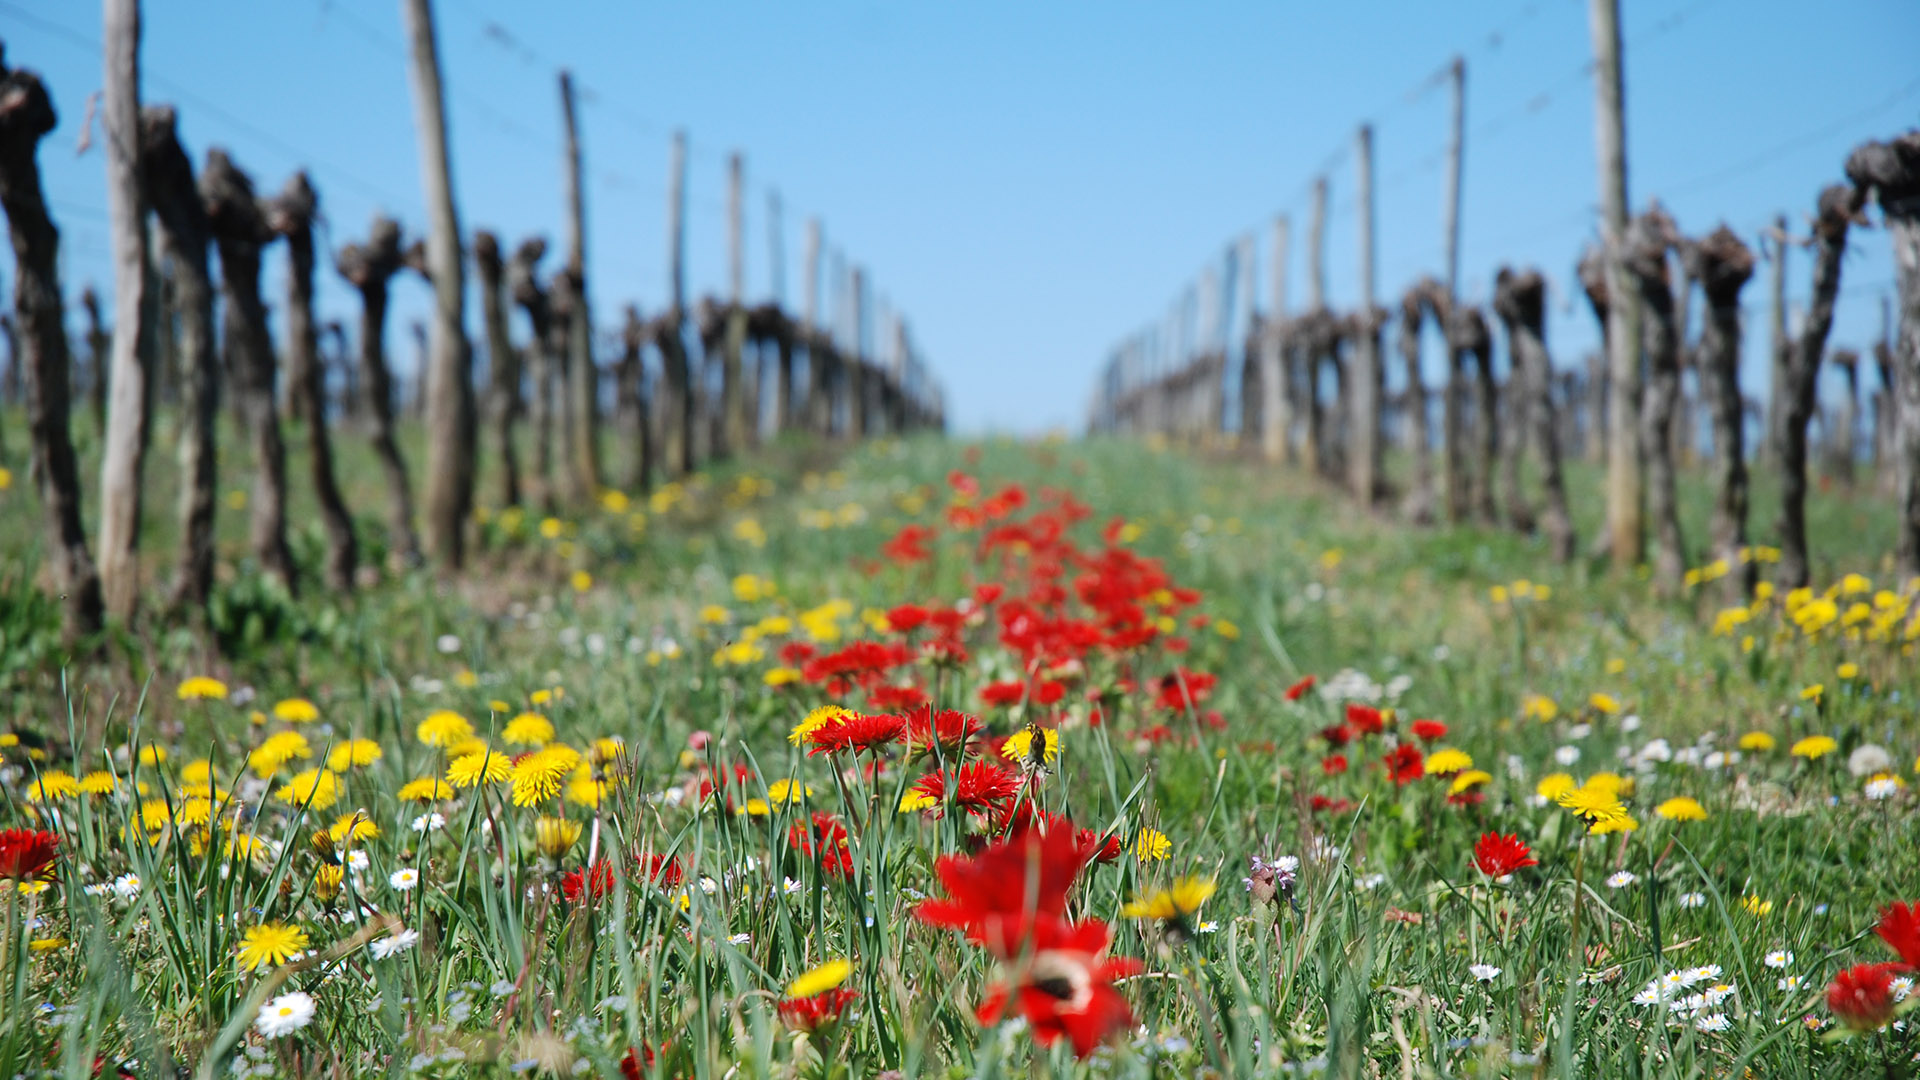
(1539, 707)
(425, 789)
(327, 879)
(1681, 808)
(1615, 665)
(1755, 906)
(816, 720)
(151, 755)
(276, 750)
(1814, 746)
(1020, 744)
(781, 676)
(53, 784)
(1226, 629)
(551, 528)
(1604, 703)
(353, 752)
(202, 688)
(1152, 845)
(472, 744)
(713, 614)
(1471, 778)
(584, 789)
(820, 980)
(540, 775)
(193, 812)
(348, 829)
(555, 836)
(267, 944)
(911, 801)
(1554, 785)
(486, 767)
(1447, 761)
(540, 697)
(1498, 594)
(46, 944)
(749, 588)
(1592, 805)
(1848, 670)
(1757, 740)
(315, 789)
(787, 791)
(1611, 783)
(296, 710)
(1625, 823)
(443, 728)
(528, 729)
(1813, 693)
(100, 782)
(1181, 900)
(581, 581)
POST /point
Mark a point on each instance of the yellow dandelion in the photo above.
(1813, 693)
(787, 791)
(426, 789)
(1152, 845)
(1612, 783)
(528, 729)
(1447, 761)
(151, 755)
(1539, 707)
(327, 880)
(1681, 808)
(471, 745)
(276, 751)
(443, 728)
(193, 812)
(1615, 665)
(555, 836)
(1848, 670)
(1757, 740)
(268, 944)
(1592, 805)
(540, 775)
(296, 710)
(1554, 785)
(584, 789)
(486, 767)
(202, 688)
(99, 782)
(1755, 906)
(780, 676)
(1471, 778)
(315, 789)
(820, 980)
(353, 752)
(911, 801)
(1625, 823)
(1182, 899)
(1606, 704)
(349, 829)
(1814, 746)
(52, 785)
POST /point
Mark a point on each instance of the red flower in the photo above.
(985, 595)
(1065, 987)
(981, 786)
(1900, 928)
(634, 1065)
(1366, 719)
(1299, 690)
(1861, 997)
(1334, 764)
(1467, 798)
(896, 698)
(857, 732)
(952, 729)
(995, 895)
(1337, 735)
(907, 618)
(1429, 730)
(1184, 688)
(813, 1013)
(661, 869)
(1405, 764)
(1321, 803)
(591, 882)
(27, 853)
(909, 545)
(1011, 692)
(1498, 856)
(826, 839)
(1049, 692)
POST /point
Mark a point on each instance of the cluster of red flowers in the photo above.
(1011, 900)
(595, 881)
(1863, 996)
(810, 1014)
(27, 853)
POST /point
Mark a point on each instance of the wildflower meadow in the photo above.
(1007, 759)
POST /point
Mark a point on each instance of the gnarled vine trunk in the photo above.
(1723, 264)
(1645, 262)
(1520, 301)
(370, 268)
(1891, 170)
(503, 364)
(524, 283)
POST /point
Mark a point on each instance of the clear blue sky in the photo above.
(1029, 183)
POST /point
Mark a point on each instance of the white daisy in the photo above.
(1693, 900)
(1484, 972)
(1779, 958)
(1791, 982)
(393, 946)
(427, 823)
(404, 879)
(1621, 879)
(285, 1015)
(1713, 1022)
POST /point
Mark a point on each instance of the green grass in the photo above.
(1368, 976)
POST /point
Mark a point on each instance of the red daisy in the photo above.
(27, 853)
(1429, 730)
(1065, 987)
(1900, 928)
(1405, 764)
(591, 882)
(994, 895)
(825, 838)
(981, 786)
(1299, 690)
(1861, 997)
(1366, 719)
(952, 729)
(813, 1013)
(858, 732)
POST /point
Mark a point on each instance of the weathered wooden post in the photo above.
(856, 363)
(240, 231)
(1774, 246)
(1839, 206)
(370, 268)
(783, 402)
(291, 216)
(167, 175)
(1363, 467)
(1520, 301)
(449, 377)
(26, 116)
(1276, 376)
(121, 368)
(583, 376)
(1625, 526)
(1475, 342)
(91, 379)
(1885, 447)
(1645, 259)
(678, 415)
(814, 408)
(503, 363)
(733, 397)
(1418, 505)
(1891, 171)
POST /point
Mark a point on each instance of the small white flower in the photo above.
(448, 643)
(285, 1015)
(1700, 974)
(1779, 958)
(1622, 879)
(1579, 731)
(1630, 722)
(1441, 654)
(740, 939)
(394, 945)
(404, 879)
(126, 886)
(427, 823)
(1902, 987)
(1713, 1022)
(1884, 787)
(357, 861)
(1791, 982)
(1370, 882)
(1567, 755)
(1693, 900)
(1869, 759)
(1208, 927)
(1484, 972)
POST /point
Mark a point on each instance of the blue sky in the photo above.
(1028, 183)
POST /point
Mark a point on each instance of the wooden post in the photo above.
(240, 231)
(369, 268)
(1891, 171)
(733, 398)
(1626, 530)
(583, 376)
(1276, 413)
(1838, 207)
(503, 364)
(1520, 301)
(634, 401)
(1456, 154)
(1413, 306)
(1317, 248)
(857, 390)
(678, 431)
(449, 376)
(1363, 472)
(168, 178)
(812, 408)
(291, 216)
(1840, 432)
(777, 281)
(124, 455)
(26, 116)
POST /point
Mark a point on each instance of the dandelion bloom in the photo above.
(539, 776)
(276, 750)
(271, 943)
(425, 789)
(1899, 927)
(820, 979)
(1152, 845)
(26, 854)
(1554, 785)
(1606, 704)
(313, 789)
(1447, 761)
(53, 784)
(555, 836)
(443, 728)
(1177, 902)
(1814, 747)
(815, 1011)
(486, 767)
(1497, 856)
(528, 729)
(1681, 808)
(1862, 997)
(1596, 806)
(352, 753)
(297, 710)
(1757, 740)
(202, 688)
